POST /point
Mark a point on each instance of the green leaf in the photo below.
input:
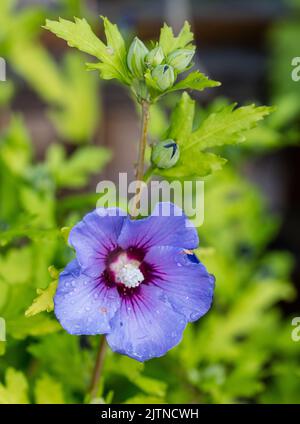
(132, 370)
(48, 391)
(169, 42)
(227, 126)
(74, 122)
(61, 355)
(144, 399)
(150, 385)
(193, 164)
(44, 301)
(194, 81)
(21, 327)
(15, 390)
(76, 113)
(80, 35)
(76, 170)
(65, 232)
(15, 146)
(2, 328)
(182, 120)
(54, 273)
(16, 265)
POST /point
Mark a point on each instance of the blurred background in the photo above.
(63, 130)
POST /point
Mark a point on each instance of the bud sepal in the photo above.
(164, 76)
(136, 57)
(180, 59)
(165, 154)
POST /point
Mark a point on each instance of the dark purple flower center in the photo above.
(127, 270)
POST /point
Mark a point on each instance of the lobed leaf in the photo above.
(80, 35)
(44, 300)
(169, 42)
(227, 126)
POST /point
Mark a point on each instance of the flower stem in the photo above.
(143, 141)
(94, 386)
(139, 174)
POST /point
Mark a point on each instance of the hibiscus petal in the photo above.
(146, 325)
(167, 226)
(94, 237)
(84, 305)
(186, 283)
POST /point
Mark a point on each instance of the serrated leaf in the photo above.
(169, 42)
(48, 391)
(80, 35)
(77, 34)
(44, 300)
(15, 389)
(54, 273)
(227, 126)
(194, 81)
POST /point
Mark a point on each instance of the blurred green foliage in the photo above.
(240, 352)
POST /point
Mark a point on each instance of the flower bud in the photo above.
(165, 154)
(164, 76)
(155, 57)
(136, 57)
(180, 59)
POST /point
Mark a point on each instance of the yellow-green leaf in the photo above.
(15, 389)
(44, 300)
(48, 391)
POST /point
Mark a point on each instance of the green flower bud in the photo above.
(164, 76)
(155, 57)
(180, 59)
(165, 154)
(136, 57)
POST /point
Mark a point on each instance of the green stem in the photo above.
(139, 175)
(148, 174)
(98, 368)
(143, 141)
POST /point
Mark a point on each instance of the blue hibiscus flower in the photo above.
(136, 281)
